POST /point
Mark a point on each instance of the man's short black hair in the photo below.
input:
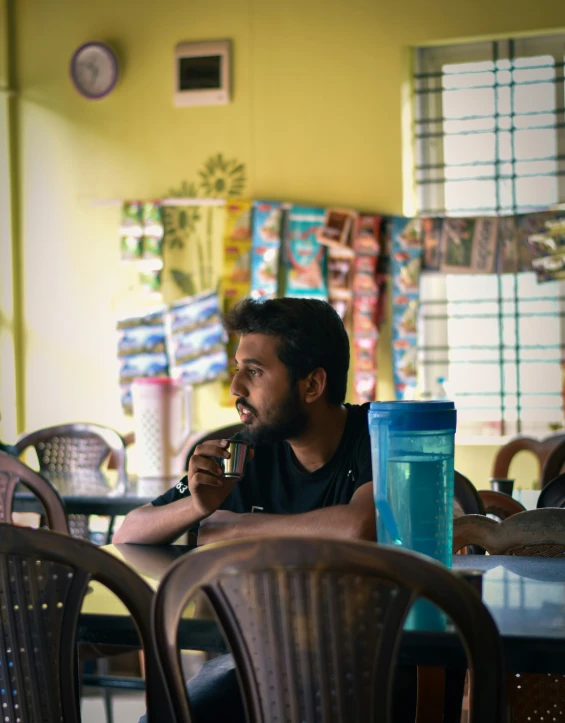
(310, 332)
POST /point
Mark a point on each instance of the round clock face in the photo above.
(94, 70)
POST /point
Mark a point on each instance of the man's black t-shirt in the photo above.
(275, 484)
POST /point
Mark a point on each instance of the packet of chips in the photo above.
(306, 258)
(141, 339)
(131, 230)
(141, 349)
(153, 231)
(201, 369)
(265, 249)
(196, 339)
(407, 258)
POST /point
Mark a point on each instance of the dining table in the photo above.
(525, 596)
(101, 493)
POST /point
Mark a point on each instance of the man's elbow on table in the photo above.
(128, 531)
(361, 509)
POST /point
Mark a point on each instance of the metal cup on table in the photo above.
(502, 484)
(234, 466)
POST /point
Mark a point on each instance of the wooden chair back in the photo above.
(43, 579)
(499, 504)
(13, 471)
(553, 493)
(466, 499)
(538, 533)
(314, 625)
(540, 448)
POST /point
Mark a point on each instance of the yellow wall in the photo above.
(315, 116)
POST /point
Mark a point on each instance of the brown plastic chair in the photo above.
(467, 500)
(79, 447)
(220, 433)
(314, 625)
(538, 533)
(72, 455)
(500, 505)
(554, 464)
(541, 448)
(43, 579)
(13, 471)
(553, 493)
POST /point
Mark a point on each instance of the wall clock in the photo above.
(94, 70)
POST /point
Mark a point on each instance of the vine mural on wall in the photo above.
(190, 252)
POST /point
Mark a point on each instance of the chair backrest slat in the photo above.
(500, 505)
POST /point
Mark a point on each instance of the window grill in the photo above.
(490, 140)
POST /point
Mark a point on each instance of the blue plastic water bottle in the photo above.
(412, 448)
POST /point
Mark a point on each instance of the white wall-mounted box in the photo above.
(202, 74)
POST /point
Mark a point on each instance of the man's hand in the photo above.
(208, 487)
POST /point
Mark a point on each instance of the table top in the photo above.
(94, 493)
(525, 595)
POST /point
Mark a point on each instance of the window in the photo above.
(490, 140)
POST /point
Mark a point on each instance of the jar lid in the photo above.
(434, 415)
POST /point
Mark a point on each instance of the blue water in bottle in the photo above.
(412, 448)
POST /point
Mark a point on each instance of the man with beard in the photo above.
(310, 468)
(309, 473)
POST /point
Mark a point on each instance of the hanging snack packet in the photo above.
(131, 230)
(150, 280)
(155, 317)
(364, 387)
(141, 350)
(306, 258)
(194, 311)
(364, 350)
(152, 232)
(337, 228)
(196, 339)
(188, 344)
(143, 365)
(205, 368)
(141, 339)
(432, 232)
(406, 268)
(237, 245)
(266, 242)
(364, 314)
